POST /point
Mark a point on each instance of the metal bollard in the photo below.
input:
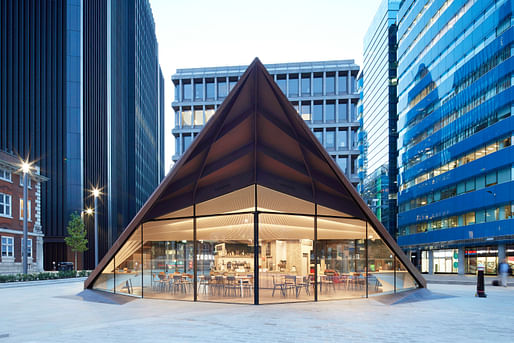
(480, 282)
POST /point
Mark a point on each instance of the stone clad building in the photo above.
(11, 217)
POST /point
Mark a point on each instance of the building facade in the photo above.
(11, 217)
(455, 105)
(83, 112)
(324, 94)
(123, 118)
(379, 116)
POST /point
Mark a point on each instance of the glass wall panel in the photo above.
(209, 112)
(225, 261)
(380, 265)
(198, 90)
(281, 82)
(129, 261)
(330, 141)
(168, 259)
(105, 281)
(286, 261)
(330, 83)
(318, 84)
(187, 116)
(209, 89)
(342, 114)
(343, 83)
(198, 121)
(242, 200)
(317, 113)
(274, 201)
(342, 139)
(330, 114)
(222, 88)
(404, 281)
(342, 258)
(306, 110)
(187, 90)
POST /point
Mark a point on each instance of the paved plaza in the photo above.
(63, 312)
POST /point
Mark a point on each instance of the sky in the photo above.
(210, 33)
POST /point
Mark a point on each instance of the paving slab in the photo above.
(67, 313)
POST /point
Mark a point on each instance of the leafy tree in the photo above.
(76, 240)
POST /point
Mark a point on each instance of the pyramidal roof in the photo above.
(255, 137)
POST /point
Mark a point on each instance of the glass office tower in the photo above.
(324, 94)
(379, 186)
(455, 104)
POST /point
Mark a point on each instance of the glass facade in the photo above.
(321, 92)
(455, 126)
(212, 256)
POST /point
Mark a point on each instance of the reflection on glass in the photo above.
(342, 258)
(198, 117)
(168, 259)
(187, 91)
(380, 265)
(222, 88)
(187, 117)
(343, 83)
(209, 112)
(286, 261)
(128, 266)
(281, 82)
(105, 281)
(330, 115)
(306, 84)
(209, 89)
(342, 112)
(318, 84)
(306, 111)
(330, 83)
(198, 90)
(404, 281)
(317, 115)
(225, 262)
(293, 85)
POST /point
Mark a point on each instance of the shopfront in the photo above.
(486, 256)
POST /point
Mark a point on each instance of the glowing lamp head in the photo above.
(25, 167)
(96, 192)
(89, 211)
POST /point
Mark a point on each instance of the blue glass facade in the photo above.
(324, 94)
(379, 133)
(456, 162)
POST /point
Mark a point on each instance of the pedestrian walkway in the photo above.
(456, 279)
(40, 282)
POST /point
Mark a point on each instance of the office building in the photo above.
(81, 111)
(255, 212)
(324, 93)
(455, 102)
(379, 132)
(123, 122)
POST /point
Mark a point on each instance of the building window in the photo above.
(343, 111)
(353, 112)
(330, 114)
(355, 166)
(29, 248)
(198, 116)
(353, 84)
(209, 89)
(209, 112)
(5, 205)
(319, 135)
(5, 175)
(306, 84)
(330, 139)
(293, 85)
(186, 90)
(343, 83)
(330, 84)
(7, 246)
(306, 110)
(318, 84)
(198, 90)
(222, 88)
(187, 116)
(317, 113)
(232, 82)
(342, 139)
(281, 81)
(28, 208)
(187, 139)
(177, 92)
(342, 162)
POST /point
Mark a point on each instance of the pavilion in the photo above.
(255, 212)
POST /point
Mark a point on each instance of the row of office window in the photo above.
(480, 216)
(6, 207)
(472, 184)
(302, 84)
(469, 105)
(8, 247)
(485, 122)
(337, 139)
(480, 152)
(317, 111)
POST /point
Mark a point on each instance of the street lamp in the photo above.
(25, 168)
(96, 194)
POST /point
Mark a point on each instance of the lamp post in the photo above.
(96, 194)
(25, 167)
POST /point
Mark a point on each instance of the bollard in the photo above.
(480, 282)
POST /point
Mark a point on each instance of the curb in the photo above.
(40, 282)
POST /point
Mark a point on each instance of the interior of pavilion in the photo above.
(254, 245)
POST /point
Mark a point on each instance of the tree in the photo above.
(76, 240)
